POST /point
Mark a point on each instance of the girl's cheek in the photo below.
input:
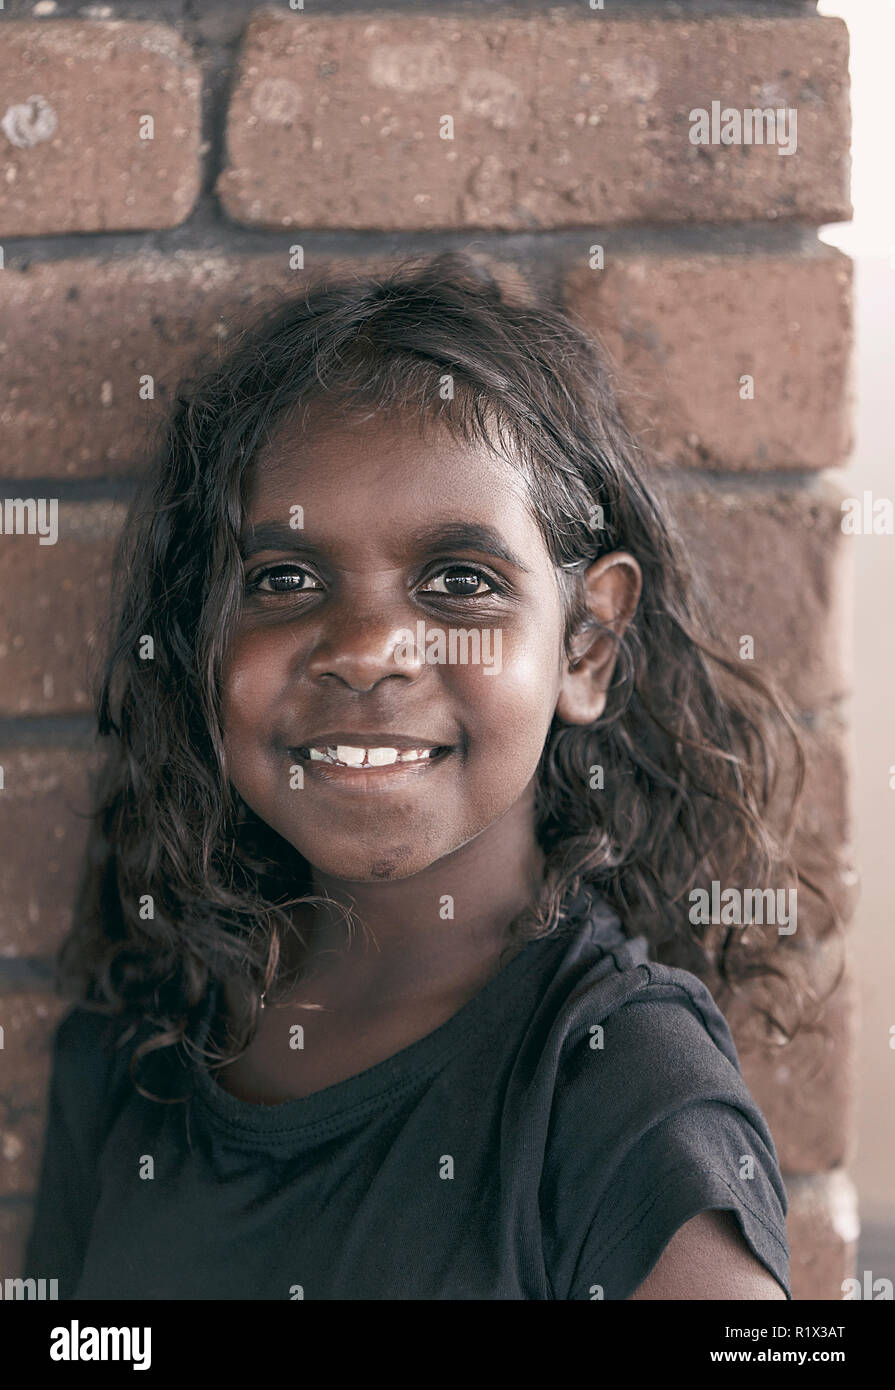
(248, 685)
(517, 674)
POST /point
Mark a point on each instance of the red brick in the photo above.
(82, 334)
(826, 811)
(683, 330)
(85, 167)
(560, 120)
(805, 1088)
(79, 335)
(43, 829)
(28, 1022)
(50, 638)
(773, 565)
(822, 848)
(822, 845)
(822, 1226)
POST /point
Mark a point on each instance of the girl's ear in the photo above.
(613, 585)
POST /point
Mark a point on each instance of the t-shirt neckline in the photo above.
(369, 1086)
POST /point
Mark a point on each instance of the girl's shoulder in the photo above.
(638, 1047)
(647, 1034)
(91, 1059)
(88, 1040)
(626, 1005)
(650, 1123)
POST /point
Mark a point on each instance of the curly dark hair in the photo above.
(703, 761)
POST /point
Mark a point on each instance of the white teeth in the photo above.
(381, 757)
(348, 756)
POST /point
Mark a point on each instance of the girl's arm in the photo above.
(707, 1258)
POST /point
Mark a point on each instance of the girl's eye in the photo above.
(462, 582)
(281, 578)
(459, 581)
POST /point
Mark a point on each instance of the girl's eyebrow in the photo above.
(445, 536)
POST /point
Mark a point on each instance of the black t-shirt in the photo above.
(546, 1142)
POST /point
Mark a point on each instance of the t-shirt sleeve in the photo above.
(66, 1194)
(649, 1130)
(705, 1157)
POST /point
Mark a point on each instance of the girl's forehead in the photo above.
(361, 487)
(382, 460)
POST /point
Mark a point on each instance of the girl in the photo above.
(386, 977)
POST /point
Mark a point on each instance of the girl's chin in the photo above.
(381, 869)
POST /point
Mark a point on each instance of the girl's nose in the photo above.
(361, 647)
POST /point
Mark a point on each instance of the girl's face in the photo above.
(396, 531)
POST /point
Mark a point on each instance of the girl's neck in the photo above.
(440, 931)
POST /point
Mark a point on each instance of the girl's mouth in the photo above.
(350, 763)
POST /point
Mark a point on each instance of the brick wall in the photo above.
(127, 257)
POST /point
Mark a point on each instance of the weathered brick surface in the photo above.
(805, 1088)
(823, 844)
(560, 120)
(78, 336)
(826, 811)
(773, 565)
(822, 1225)
(43, 828)
(82, 336)
(28, 1022)
(684, 330)
(74, 95)
(50, 634)
(822, 847)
